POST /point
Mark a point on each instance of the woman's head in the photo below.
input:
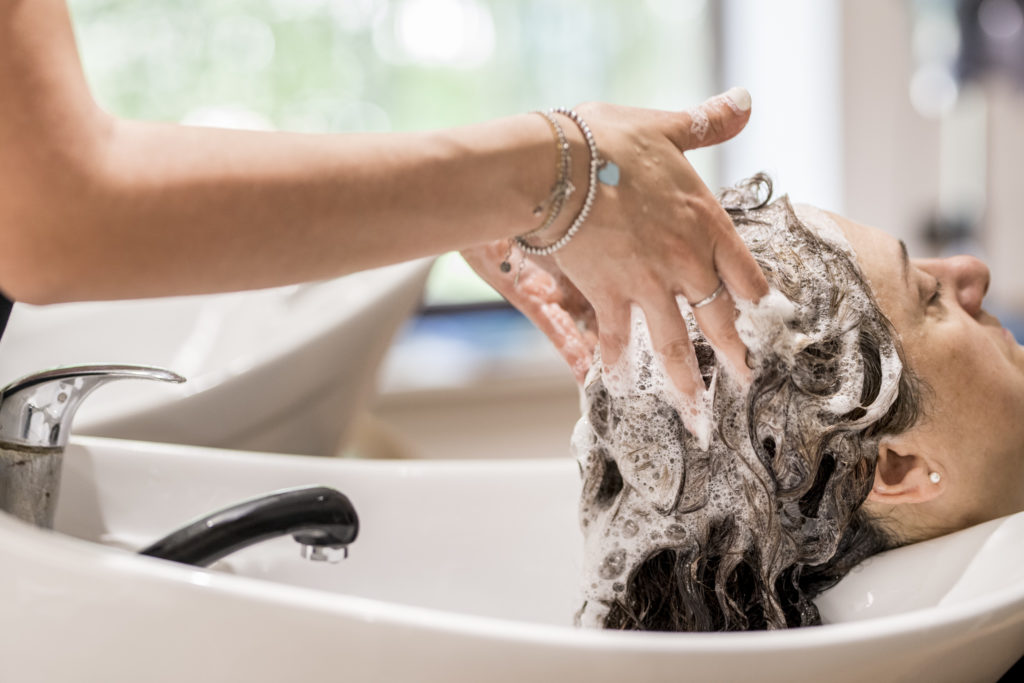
(971, 433)
(797, 486)
(745, 533)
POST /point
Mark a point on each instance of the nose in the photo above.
(968, 276)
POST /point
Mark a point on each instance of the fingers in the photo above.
(613, 324)
(671, 341)
(549, 301)
(717, 321)
(539, 299)
(715, 120)
(742, 276)
(576, 349)
(738, 269)
(572, 299)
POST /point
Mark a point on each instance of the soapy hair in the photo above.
(817, 466)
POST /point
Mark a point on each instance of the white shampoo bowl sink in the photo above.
(463, 571)
(281, 369)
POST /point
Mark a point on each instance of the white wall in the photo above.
(1003, 233)
(890, 154)
(894, 167)
(786, 52)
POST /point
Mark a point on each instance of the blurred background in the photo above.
(903, 114)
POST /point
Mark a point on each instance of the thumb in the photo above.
(715, 120)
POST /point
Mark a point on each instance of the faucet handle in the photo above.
(36, 411)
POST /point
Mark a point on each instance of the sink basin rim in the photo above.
(90, 557)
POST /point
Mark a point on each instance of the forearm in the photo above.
(92, 207)
(161, 209)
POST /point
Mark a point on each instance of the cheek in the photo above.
(972, 384)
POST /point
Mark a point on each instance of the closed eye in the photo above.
(936, 297)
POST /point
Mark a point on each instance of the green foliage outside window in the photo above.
(356, 65)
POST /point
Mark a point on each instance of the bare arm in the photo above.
(94, 207)
(112, 208)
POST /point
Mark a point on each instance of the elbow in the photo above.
(30, 280)
(41, 262)
(53, 184)
(23, 267)
(48, 215)
(32, 294)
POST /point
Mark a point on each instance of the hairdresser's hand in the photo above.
(546, 297)
(660, 234)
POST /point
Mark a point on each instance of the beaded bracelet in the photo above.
(563, 187)
(603, 170)
(560, 191)
(588, 202)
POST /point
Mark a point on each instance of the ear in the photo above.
(904, 476)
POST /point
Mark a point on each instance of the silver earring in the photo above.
(935, 477)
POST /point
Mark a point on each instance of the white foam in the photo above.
(826, 228)
(764, 325)
(700, 116)
(699, 123)
(632, 413)
(622, 380)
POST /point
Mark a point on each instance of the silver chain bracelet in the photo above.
(588, 202)
(563, 187)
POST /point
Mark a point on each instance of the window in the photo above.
(378, 65)
(352, 65)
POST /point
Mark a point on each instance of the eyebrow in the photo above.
(905, 259)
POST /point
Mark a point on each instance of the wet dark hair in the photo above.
(818, 467)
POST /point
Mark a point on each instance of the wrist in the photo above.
(579, 176)
(594, 163)
(538, 173)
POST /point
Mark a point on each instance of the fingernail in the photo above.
(739, 98)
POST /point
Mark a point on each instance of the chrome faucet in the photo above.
(35, 420)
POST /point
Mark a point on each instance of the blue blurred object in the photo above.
(454, 346)
(496, 328)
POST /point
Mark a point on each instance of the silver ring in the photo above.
(710, 297)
